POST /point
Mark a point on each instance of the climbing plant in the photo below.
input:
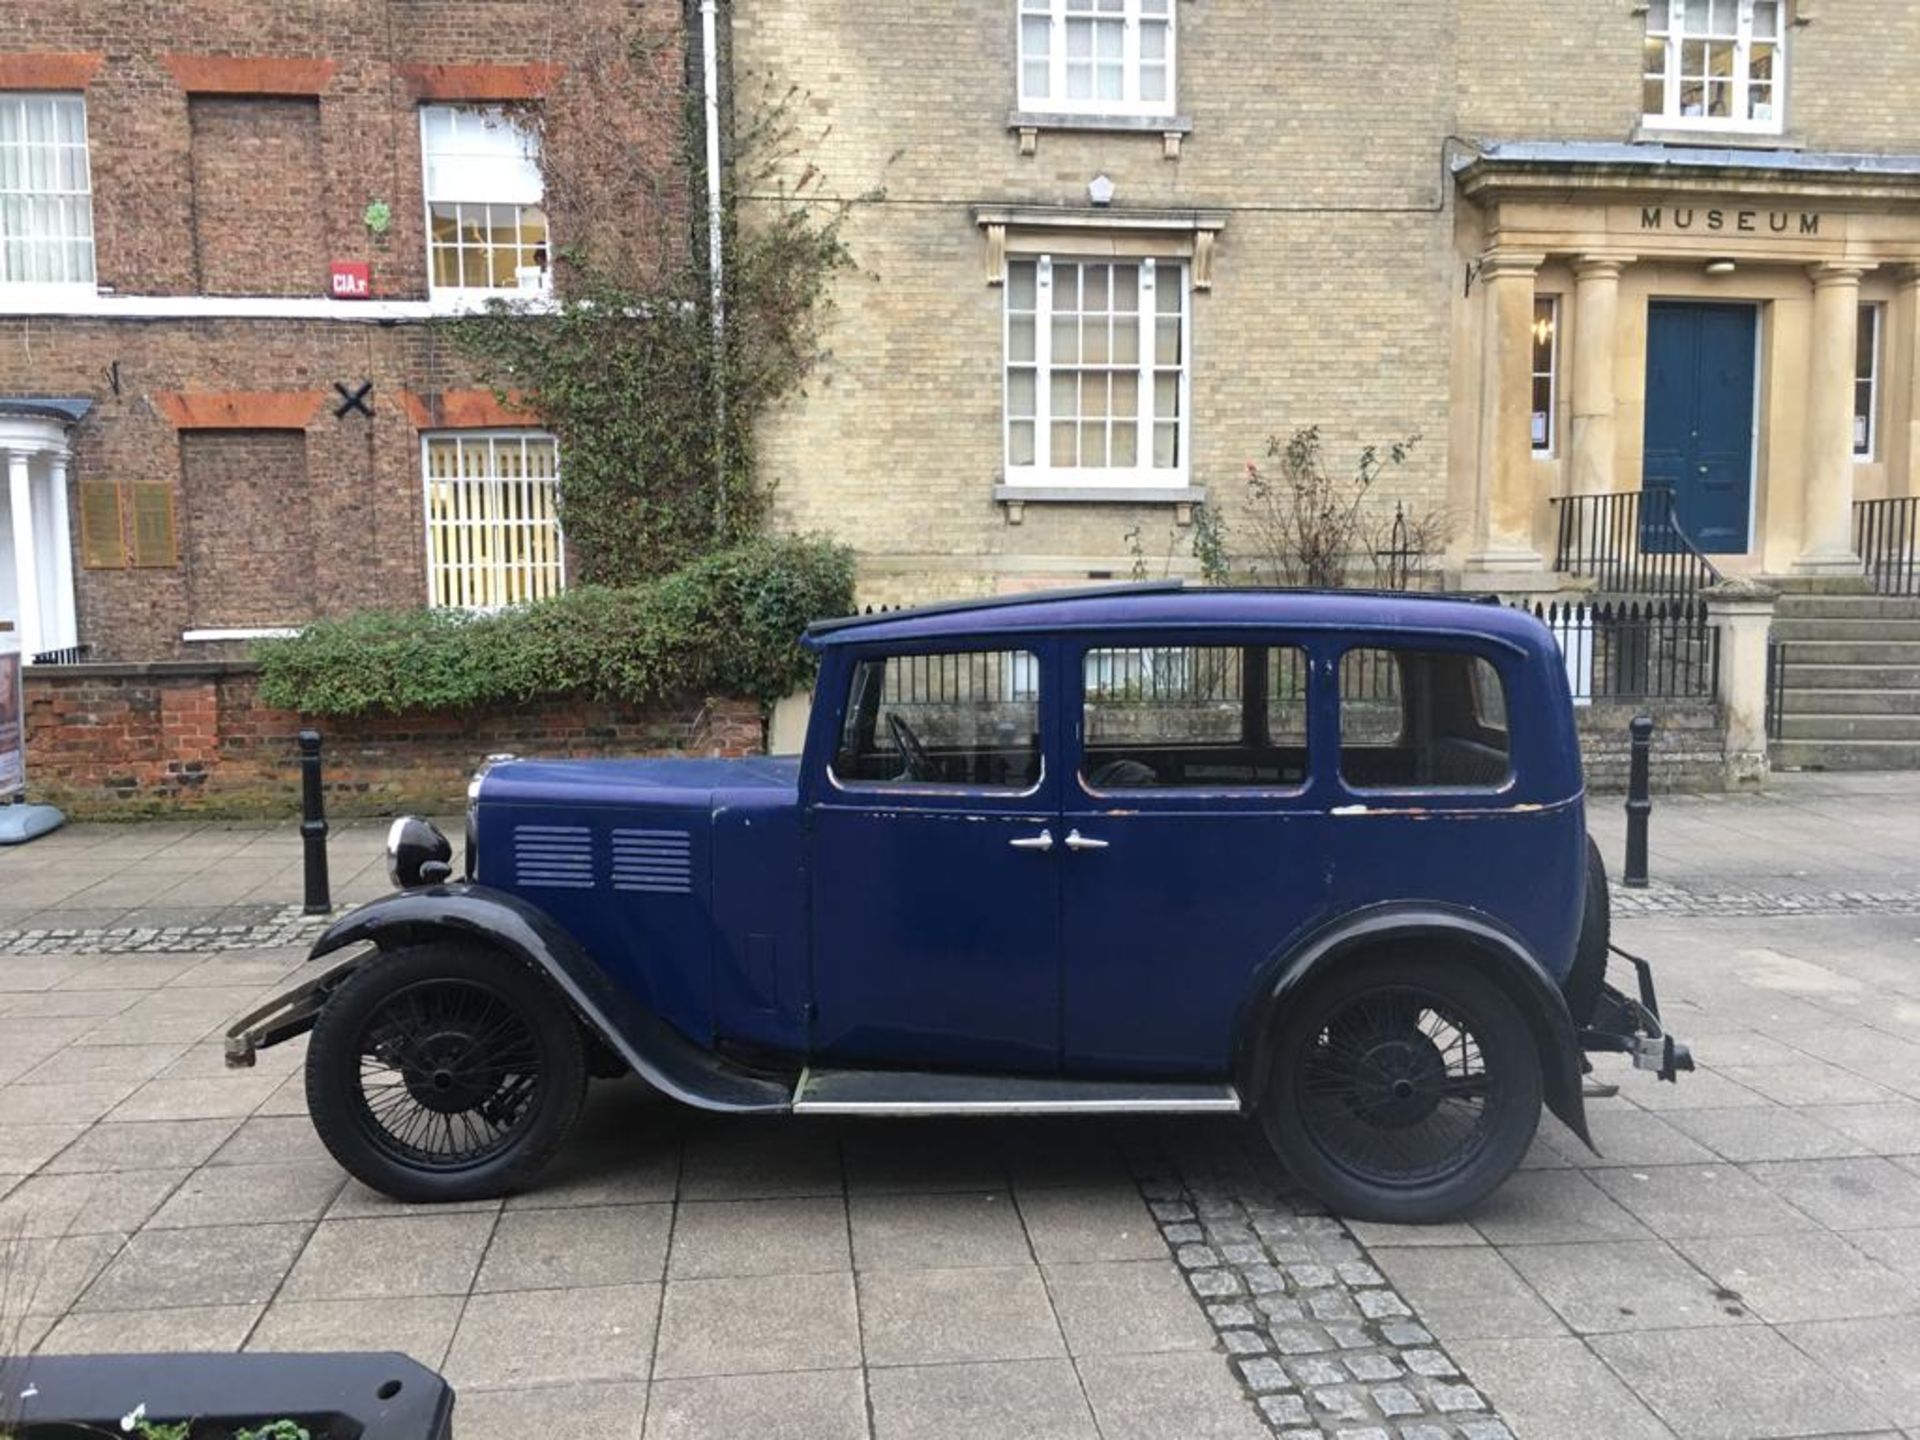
(654, 400)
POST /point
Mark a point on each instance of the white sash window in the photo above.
(1716, 64)
(1097, 57)
(486, 228)
(1096, 373)
(493, 519)
(46, 199)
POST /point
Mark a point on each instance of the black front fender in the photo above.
(1467, 935)
(658, 1054)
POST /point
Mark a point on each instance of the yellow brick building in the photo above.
(1577, 246)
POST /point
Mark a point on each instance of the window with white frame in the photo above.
(46, 201)
(493, 519)
(486, 230)
(1866, 386)
(1716, 64)
(1098, 57)
(1096, 383)
(1546, 372)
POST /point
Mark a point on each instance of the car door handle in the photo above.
(1077, 841)
(1043, 841)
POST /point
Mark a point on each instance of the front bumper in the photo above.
(1623, 1025)
(290, 1011)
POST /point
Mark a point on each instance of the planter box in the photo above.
(336, 1397)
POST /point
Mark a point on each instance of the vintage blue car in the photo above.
(1319, 858)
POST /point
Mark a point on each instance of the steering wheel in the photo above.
(919, 766)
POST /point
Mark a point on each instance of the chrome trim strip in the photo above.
(1228, 1104)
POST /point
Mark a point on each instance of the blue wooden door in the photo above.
(1699, 430)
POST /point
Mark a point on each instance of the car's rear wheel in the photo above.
(444, 1072)
(1403, 1090)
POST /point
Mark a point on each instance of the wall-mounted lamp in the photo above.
(1721, 267)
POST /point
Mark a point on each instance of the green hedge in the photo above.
(728, 624)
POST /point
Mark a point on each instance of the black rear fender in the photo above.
(477, 914)
(1448, 937)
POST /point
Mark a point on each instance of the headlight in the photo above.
(417, 853)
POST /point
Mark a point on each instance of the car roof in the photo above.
(1158, 604)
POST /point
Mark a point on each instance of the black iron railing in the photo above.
(71, 655)
(1776, 688)
(1629, 544)
(1635, 649)
(1886, 533)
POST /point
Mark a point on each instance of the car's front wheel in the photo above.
(1403, 1090)
(444, 1072)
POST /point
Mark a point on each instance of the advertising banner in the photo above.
(13, 718)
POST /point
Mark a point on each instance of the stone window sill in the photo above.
(1715, 139)
(1171, 129)
(1182, 497)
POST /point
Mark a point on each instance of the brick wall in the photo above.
(234, 149)
(256, 191)
(249, 526)
(1689, 746)
(114, 741)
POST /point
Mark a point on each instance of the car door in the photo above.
(1189, 807)
(933, 837)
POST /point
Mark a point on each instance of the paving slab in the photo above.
(1738, 1383)
(924, 1317)
(1820, 1276)
(715, 1238)
(1558, 1389)
(1624, 1285)
(1877, 1356)
(1025, 1400)
(745, 1327)
(1707, 1200)
(1467, 1293)
(213, 1265)
(604, 1411)
(382, 1257)
(1148, 1397)
(551, 1337)
(577, 1247)
(818, 1405)
(420, 1327)
(1126, 1308)
(1108, 1222)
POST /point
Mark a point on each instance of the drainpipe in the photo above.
(716, 260)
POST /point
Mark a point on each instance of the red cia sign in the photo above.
(352, 279)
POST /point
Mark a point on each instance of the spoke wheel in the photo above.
(445, 1072)
(449, 1074)
(1394, 1087)
(1402, 1088)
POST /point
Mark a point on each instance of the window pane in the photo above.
(1020, 338)
(1766, 20)
(46, 214)
(492, 517)
(959, 718)
(1020, 285)
(1020, 393)
(1174, 717)
(1020, 443)
(1412, 719)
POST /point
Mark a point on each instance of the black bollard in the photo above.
(1639, 801)
(313, 825)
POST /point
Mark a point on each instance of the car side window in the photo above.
(1193, 717)
(954, 718)
(1422, 719)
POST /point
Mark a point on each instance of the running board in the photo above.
(912, 1092)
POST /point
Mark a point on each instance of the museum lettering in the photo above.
(1744, 222)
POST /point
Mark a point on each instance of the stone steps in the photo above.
(1850, 696)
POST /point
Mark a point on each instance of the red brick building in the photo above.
(222, 223)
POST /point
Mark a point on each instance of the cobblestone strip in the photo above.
(1322, 1344)
(1660, 899)
(284, 927)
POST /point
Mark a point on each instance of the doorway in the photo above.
(1701, 368)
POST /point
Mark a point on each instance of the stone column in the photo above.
(1596, 313)
(26, 573)
(64, 625)
(1826, 515)
(1742, 611)
(1503, 493)
(1904, 460)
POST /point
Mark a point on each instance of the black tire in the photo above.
(1589, 972)
(1359, 1110)
(488, 1073)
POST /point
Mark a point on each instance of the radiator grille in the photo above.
(655, 862)
(553, 857)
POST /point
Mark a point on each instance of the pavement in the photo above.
(1741, 1260)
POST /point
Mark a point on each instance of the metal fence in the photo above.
(1886, 534)
(1635, 649)
(1630, 544)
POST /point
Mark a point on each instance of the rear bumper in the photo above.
(1625, 1025)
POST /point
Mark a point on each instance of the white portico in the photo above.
(36, 544)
